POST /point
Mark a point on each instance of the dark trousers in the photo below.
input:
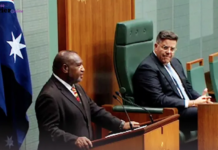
(189, 122)
(188, 119)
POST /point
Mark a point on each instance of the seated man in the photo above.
(160, 81)
(64, 111)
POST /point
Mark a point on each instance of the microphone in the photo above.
(130, 124)
(150, 116)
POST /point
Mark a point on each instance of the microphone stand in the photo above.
(150, 116)
(130, 124)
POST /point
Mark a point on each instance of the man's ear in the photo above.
(65, 68)
(155, 45)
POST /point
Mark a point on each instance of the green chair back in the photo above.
(196, 75)
(214, 73)
(133, 42)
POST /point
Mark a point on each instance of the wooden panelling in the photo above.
(61, 24)
(161, 135)
(163, 138)
(207, 126)
(89, 28)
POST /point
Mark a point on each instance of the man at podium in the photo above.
(64, 111)
(160, 81)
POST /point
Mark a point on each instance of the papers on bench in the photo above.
(125, 131)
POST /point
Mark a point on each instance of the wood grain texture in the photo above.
(207, 126)
(136, 143)
(61, 24)
(163, 135)
(163, 138)
(89, 28)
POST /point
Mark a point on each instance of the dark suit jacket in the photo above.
(153, 85)
(61, 119)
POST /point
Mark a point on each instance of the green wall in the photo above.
(195, 22)
(39, 25)
(53, 31)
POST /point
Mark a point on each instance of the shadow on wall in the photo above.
(103, 75)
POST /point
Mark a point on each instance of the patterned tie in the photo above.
(75, 94)
(177, 82)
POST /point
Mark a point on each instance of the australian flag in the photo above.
(15, 81)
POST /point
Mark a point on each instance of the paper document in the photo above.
(125, 131)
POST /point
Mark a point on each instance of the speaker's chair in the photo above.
(133, 42)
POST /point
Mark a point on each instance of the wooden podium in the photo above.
(161, 135)
(208, 126)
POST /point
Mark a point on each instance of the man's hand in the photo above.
(134, 125)
(204, 99)
(83, 143)
(208, 98)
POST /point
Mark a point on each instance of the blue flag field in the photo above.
(15, 81)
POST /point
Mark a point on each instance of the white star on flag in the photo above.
(16, 46)
(9, 142)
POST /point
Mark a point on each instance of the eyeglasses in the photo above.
(172, 49)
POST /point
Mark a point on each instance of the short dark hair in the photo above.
(60, 59)
(166, 35)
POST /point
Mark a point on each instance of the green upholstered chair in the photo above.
(195, 75)
(133, 42)
(214, 73)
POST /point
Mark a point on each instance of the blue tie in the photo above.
(177, 82)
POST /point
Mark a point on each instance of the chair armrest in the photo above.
(166, 111)
(133, 109)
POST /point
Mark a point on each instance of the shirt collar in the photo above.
(63, 82)
(154, 53)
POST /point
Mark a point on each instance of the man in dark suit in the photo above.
(160, 81)
(64, 111)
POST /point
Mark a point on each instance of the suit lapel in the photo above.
(165, 73)
(71, 97)
(68, 95)
(83, 99)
